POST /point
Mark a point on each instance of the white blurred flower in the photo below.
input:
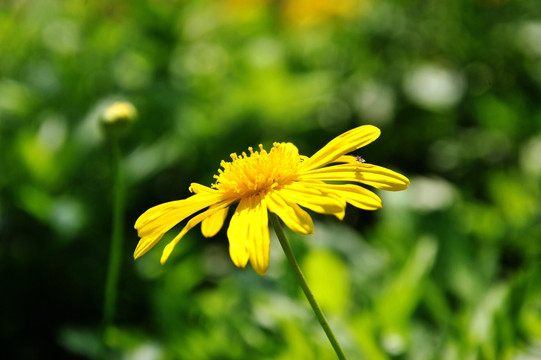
(434, 86)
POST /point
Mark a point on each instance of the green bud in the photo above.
(117, 119)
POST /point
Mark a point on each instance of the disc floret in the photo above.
(259, 171)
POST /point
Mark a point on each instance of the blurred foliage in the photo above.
(448, 269)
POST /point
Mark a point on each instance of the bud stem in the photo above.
(115, 253)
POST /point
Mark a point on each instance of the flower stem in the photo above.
(300, 277)
(115, 257)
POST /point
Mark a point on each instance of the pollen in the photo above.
(259, 171)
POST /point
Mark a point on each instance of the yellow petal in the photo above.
(198, 188)
(172, 209)
(291, 214)
(258, 235)
(373, 175)
(314, 198)
(193, 221)
(237, 234)
(347, 142)
(156, 221)
(211, 225)
(346, 159)
(354, 195)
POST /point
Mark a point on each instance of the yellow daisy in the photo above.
(280, 181)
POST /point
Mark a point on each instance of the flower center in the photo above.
(260, 171)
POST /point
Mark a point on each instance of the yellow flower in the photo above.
(280, 181)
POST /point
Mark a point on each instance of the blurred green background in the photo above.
(448, 269)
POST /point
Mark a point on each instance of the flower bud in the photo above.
(117, 119)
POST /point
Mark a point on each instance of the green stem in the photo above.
(300, 277)
(115, 257)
